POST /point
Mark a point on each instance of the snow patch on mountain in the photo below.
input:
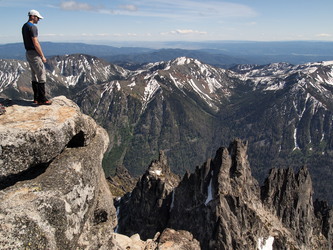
(182, 60)
(157, 172)
(209, 190)
(266, 244)
(151, 88)
(203, 95)
(131, 85)
(172, 200)
(209, 74)
(10, 72)
(274, 76)
(300, 115)
(108, 88)
(72, 80)
(75, 69)
(205, 80)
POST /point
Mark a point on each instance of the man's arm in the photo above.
(38, 48)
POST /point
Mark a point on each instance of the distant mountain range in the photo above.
(222, 54)
(188, 109)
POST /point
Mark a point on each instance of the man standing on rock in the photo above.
(35, 57)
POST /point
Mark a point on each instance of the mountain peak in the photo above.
(183, 61)
(159, 167)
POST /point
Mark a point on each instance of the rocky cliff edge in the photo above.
(53, 192)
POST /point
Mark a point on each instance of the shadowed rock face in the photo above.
(146, 209)
(222, 205)
(289, 196)
(218, 198)
(65, 205)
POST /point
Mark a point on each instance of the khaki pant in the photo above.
(38, 73)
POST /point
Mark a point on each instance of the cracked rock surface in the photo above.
(56, 195)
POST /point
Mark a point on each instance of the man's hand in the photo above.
(43, 59)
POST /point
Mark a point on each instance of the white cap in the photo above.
(35, 13)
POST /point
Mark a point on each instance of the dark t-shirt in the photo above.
(29, 30)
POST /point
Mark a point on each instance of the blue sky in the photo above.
(107, 21)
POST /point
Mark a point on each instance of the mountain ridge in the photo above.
(189, 108)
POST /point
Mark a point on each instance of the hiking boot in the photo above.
(2, 109)
(48, 102)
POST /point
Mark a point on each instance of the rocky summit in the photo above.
(54, 193)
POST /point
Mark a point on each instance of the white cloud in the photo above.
(52, 35)
(100, 35)
(184, 32)
(129, 7)
(73, 5)
(189, 32)
(105, 11)
(324, 35)
(77, 6)
(132, 34)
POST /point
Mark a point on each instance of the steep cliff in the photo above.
(54, 194)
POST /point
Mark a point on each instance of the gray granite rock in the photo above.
(68, 205)
(33, 135)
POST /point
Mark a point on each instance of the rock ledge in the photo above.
(55, 194)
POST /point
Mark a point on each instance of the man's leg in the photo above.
(40, 74)
(41, 92)
(35, 89)
(34, 80)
